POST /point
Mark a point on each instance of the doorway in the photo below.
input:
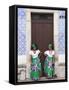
(42, 32)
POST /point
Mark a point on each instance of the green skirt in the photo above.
(35, 68)
(49, 66)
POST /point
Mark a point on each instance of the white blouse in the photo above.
(49, 54)
(34, 55)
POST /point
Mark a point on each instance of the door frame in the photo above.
(28, 30)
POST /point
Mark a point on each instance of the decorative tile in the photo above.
(21, 31)
(61, 35)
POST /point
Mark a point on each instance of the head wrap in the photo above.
(50, 46)
(34, 46)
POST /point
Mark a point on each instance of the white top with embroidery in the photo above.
(34, 55)
(49, 54)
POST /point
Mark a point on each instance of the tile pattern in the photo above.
(61, 35)
(21, 31)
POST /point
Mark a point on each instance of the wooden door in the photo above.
(42, 32)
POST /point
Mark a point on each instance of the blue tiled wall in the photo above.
(21, 31)
(61, 36)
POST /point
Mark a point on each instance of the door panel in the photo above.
(42, 32)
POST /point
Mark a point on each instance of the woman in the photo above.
(49, 62)
(35, 63)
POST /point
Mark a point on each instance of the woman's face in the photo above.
(50, 47)
(34, 49)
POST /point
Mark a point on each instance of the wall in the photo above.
(24, 37)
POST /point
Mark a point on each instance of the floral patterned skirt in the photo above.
(35, 68)
(49, 67)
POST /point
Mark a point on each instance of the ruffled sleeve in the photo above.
(46, 53)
